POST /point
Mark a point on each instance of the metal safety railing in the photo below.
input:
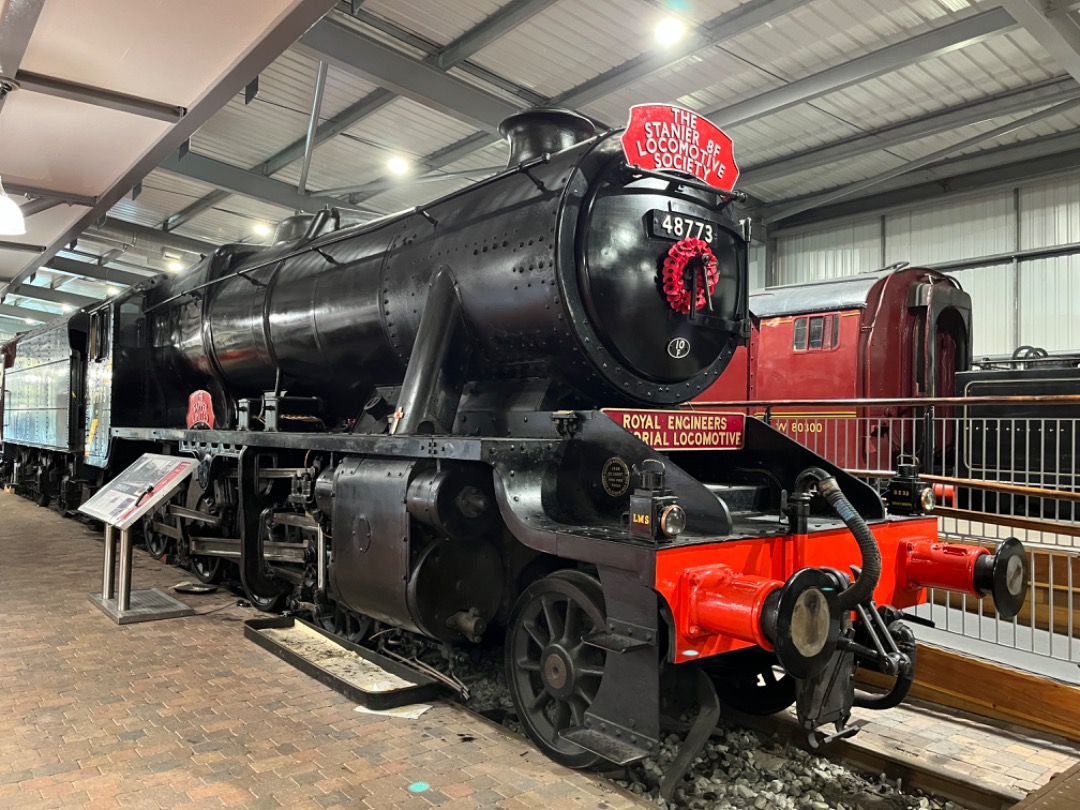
(1000, 466)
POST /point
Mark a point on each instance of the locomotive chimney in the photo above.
(533, 132)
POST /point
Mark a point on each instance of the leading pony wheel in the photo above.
(753, 683)
(552, 673)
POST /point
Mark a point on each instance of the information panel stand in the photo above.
(124, 500)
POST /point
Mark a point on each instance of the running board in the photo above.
(363, 676)
(604, 745)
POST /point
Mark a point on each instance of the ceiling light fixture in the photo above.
(397, 165)
(669, 31)
(12, 222)
(175, 266)
(261, 229)
(29, 320)
(111, 291)
(66, 308)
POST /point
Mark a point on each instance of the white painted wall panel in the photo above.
(842, 250)
(1050, 213)
(993, 311)
(757, 266)
(1050, 303)
(981, 226)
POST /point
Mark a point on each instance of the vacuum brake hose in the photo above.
(865, 583)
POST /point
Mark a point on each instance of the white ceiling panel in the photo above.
(704, 82)
(163, 194)
(46, 141)
(780, 134)
(573, 41)
(560, 47)
(232, 220)
(436, 20)
(824, 178)
(167, 52)
(177, 54)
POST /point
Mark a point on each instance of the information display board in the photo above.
(138, 489)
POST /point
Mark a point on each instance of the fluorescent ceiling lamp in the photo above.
(12, 222)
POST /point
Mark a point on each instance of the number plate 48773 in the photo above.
(669, 225)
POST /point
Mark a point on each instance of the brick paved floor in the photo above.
(185, 713)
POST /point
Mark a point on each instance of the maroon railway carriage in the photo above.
(895, 333)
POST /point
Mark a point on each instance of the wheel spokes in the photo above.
(542, 699)
(590, 671)
(551, 616)
(578, 705)
(536, 633)
(562, 720)
(571, 633)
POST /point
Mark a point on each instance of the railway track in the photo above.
(762, 763)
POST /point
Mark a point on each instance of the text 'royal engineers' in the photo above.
(682, 430)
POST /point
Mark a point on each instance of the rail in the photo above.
(1001, 466)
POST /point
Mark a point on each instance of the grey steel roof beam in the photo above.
(131, 233)
(936, 42)
(933, 43)
(240, 181)
(17, 23)
(190, 212)
(505, 19)
(1003, 167)
(39, 205)
(99, 97)
(21, 313)
(53, 296)
(372, 102)
(718, 30)
(783, 212)
(1058, 33)
(431, 51)
(13, 325)
(313, 123)
(467, 44)
(288, 27)
(14, 187)
(22, 246)
(376, 62)
(95, 271)
(974, 112)
(436, 160)
(376, 185)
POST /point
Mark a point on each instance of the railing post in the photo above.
(928, 439)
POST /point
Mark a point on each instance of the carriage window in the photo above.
(99, 334)
(800, 334)
(817, 333)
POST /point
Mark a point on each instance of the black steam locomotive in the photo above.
(397, 422)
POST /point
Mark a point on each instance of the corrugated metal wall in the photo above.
(1027, 301)
(829, 252)
(757, 266)
(982, 226)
